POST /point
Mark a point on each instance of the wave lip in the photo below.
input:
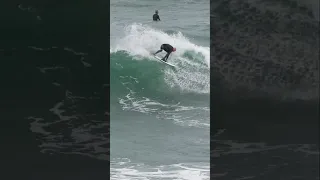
(140, 40)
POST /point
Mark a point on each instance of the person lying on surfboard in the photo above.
(167, 48)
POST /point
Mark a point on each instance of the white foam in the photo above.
(125, 170)
(142, 39)
(173, 112)
(192, 74)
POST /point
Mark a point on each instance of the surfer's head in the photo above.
(156, 11)
(174, 49)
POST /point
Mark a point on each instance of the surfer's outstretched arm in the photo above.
(157, 52)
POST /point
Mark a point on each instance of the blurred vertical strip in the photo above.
(264, 89)
(54, 92)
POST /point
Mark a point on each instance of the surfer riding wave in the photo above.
(167, 48)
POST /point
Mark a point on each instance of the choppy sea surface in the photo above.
(160, 119)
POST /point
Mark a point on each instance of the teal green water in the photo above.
(159, 115)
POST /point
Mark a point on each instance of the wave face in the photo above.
(135, 72)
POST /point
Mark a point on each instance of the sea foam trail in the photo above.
(192, 74)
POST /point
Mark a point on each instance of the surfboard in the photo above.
(164, 61)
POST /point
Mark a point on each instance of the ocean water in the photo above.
(265, 89)
(159, 116)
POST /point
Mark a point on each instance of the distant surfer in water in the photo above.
(156, 16)
(167, 48)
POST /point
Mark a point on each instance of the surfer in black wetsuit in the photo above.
(156, 16)
(167, 48)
